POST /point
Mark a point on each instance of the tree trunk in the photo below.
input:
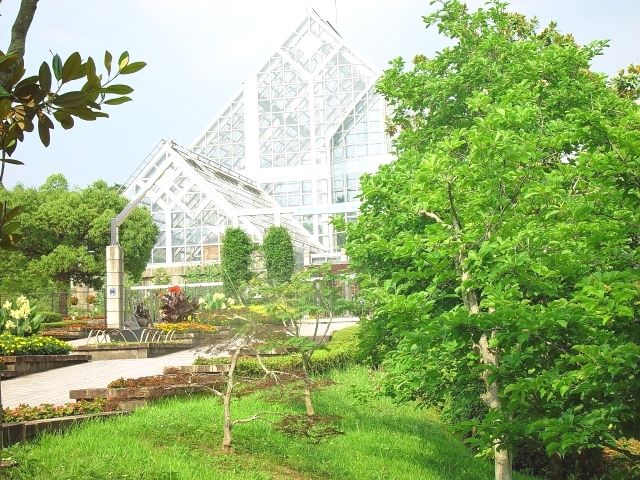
(502, 457)
(63, 299)
(227, 437)
(308, 401)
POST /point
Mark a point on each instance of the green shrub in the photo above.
(278, 255)
(235, 264)
(36, 345)
(340, 352)
(50, 317)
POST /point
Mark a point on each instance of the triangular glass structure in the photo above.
(301, 132)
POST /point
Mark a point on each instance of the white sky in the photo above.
(199, 51)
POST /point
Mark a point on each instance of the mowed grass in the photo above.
(179, 439)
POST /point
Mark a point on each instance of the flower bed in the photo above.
(186, 327)
(23, 413)
(36, 345)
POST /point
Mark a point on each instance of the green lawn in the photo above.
(179, 440)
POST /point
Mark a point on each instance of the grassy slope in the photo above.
(179, 440)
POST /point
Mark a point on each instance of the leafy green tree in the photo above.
(278, 254)
(63, 233)
(500, 250)
(235, 262)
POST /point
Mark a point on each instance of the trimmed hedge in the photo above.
(340, 352)
(36, 345)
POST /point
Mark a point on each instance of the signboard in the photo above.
(112, 291)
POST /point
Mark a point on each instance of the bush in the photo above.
(340, 352)
(36, 345)
(278, 254)
(50, 317)
(235, 264)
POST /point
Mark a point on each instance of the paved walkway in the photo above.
(53, 386)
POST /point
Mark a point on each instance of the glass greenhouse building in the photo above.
(288, 149)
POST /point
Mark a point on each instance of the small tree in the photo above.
(301, 305)
(278, 254)
(250, 331)
(235, 264)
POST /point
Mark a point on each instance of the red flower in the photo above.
(175, 289)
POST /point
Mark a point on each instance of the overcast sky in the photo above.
(199, 51)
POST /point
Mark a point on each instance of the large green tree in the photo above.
(63, 233)
(500, 250)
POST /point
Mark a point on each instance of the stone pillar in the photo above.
(115, 287)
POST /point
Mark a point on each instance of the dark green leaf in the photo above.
(72, 69)
(108, 58)
(56, 65)
(64, 118)
(13, 161)
(117, 100)
(117, 89)
(43, 131)
(70, 99)
(45, 77)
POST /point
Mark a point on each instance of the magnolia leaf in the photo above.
(117, 89)
(44, 76)
(44, 133)
(56, 65)
(70, 99)
(72, 69)
(123, 61)
(12, 161)
(64, 118)
(117, 100)
(108, 58)
(132, 68)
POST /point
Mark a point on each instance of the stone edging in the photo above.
(27, 431)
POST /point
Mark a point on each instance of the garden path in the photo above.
(53, 386)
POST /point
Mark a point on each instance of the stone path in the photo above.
(53, 386)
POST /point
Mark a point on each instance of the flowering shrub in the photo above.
(175, 306)
(73, 300)
(18, 318)
(186, 327)
(36, 345)
(23, 413)
(91, 299)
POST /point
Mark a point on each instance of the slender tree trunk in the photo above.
(308, 401)
(502, 457)
(227, 438)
